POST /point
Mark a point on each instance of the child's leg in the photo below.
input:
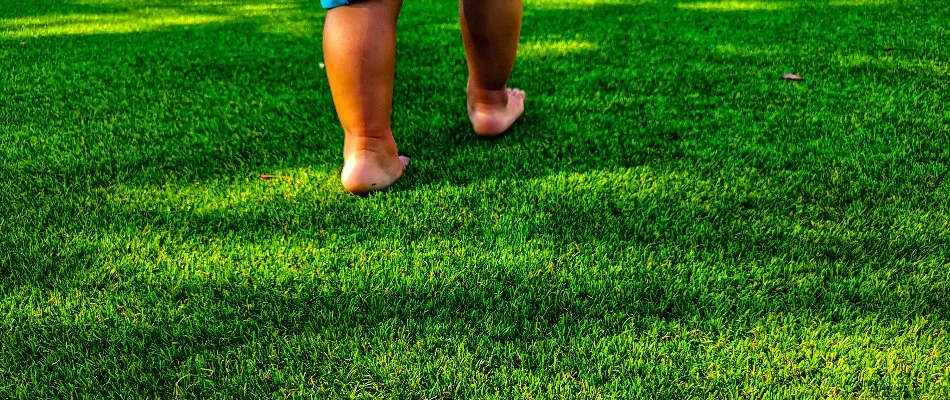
(359, 47)
(491, 30)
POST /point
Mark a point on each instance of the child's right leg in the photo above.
(490, 31)
(359, 45)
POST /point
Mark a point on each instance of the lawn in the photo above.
(671, 219)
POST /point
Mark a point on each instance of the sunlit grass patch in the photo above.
(543, 48)
(186, 4)
(271, 188)
(750, 51)
(858, 3)
(93, 24)
(891, 62)
(281, 17)
(883, 61)
(577, 4)
(453, 27)
(261, 10)
(736, 5)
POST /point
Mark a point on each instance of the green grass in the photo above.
(671, 219)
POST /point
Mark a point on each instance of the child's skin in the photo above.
(359, 44)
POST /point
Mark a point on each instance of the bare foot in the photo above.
(494, 111)
(371, 164)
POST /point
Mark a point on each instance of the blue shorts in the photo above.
(328, 4)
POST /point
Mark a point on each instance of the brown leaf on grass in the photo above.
(265, 177)
(792, 77)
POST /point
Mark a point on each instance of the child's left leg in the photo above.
(359, 47)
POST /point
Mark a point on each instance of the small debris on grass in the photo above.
(792, 77)
(267, 177)
(322, 65)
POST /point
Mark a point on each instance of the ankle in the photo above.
(487, 97)
(369, 140)
(368, 132)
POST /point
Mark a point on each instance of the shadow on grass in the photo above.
(216, 329)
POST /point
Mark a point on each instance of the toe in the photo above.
(404, 160)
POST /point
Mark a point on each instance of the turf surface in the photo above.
(671, 219)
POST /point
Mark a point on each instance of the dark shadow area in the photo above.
(221, 320)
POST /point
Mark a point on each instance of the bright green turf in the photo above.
(671, 219)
